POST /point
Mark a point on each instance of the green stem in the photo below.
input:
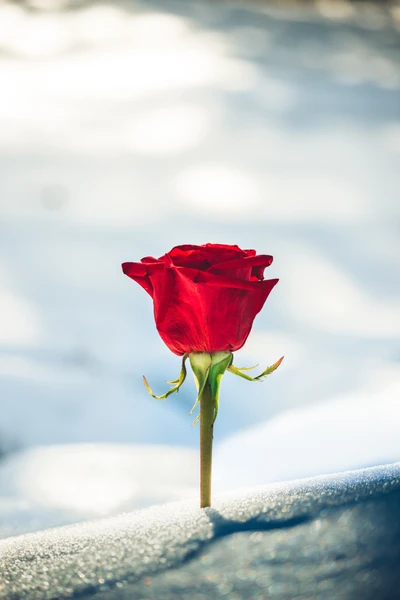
(206, 440)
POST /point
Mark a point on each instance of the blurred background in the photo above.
(129, 127)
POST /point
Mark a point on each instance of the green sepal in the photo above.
(200, 363)
(220, 362)
(239, 372)
(178, 382)
(209, 368)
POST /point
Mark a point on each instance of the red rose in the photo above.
(205, 297)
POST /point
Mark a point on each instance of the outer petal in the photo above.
(250, 252)
(178, 311)
(230, 325)
(202, 257)
(141, 272)
(150, 259)
(202, 312)
(249, 268)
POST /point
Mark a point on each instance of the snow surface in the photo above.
(346, 433)
(54, 485)
(337, 527)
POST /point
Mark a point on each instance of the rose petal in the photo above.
(250, 252)
(202, 312)
(178, 311)
(202, 257)
(205, 297)
(139, 272)
(249, 268)
(150, 259)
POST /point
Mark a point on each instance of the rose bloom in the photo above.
(205, 297)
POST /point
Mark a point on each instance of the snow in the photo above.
(344, 433)
(128, 129)
(54, 485)
(342, 528)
